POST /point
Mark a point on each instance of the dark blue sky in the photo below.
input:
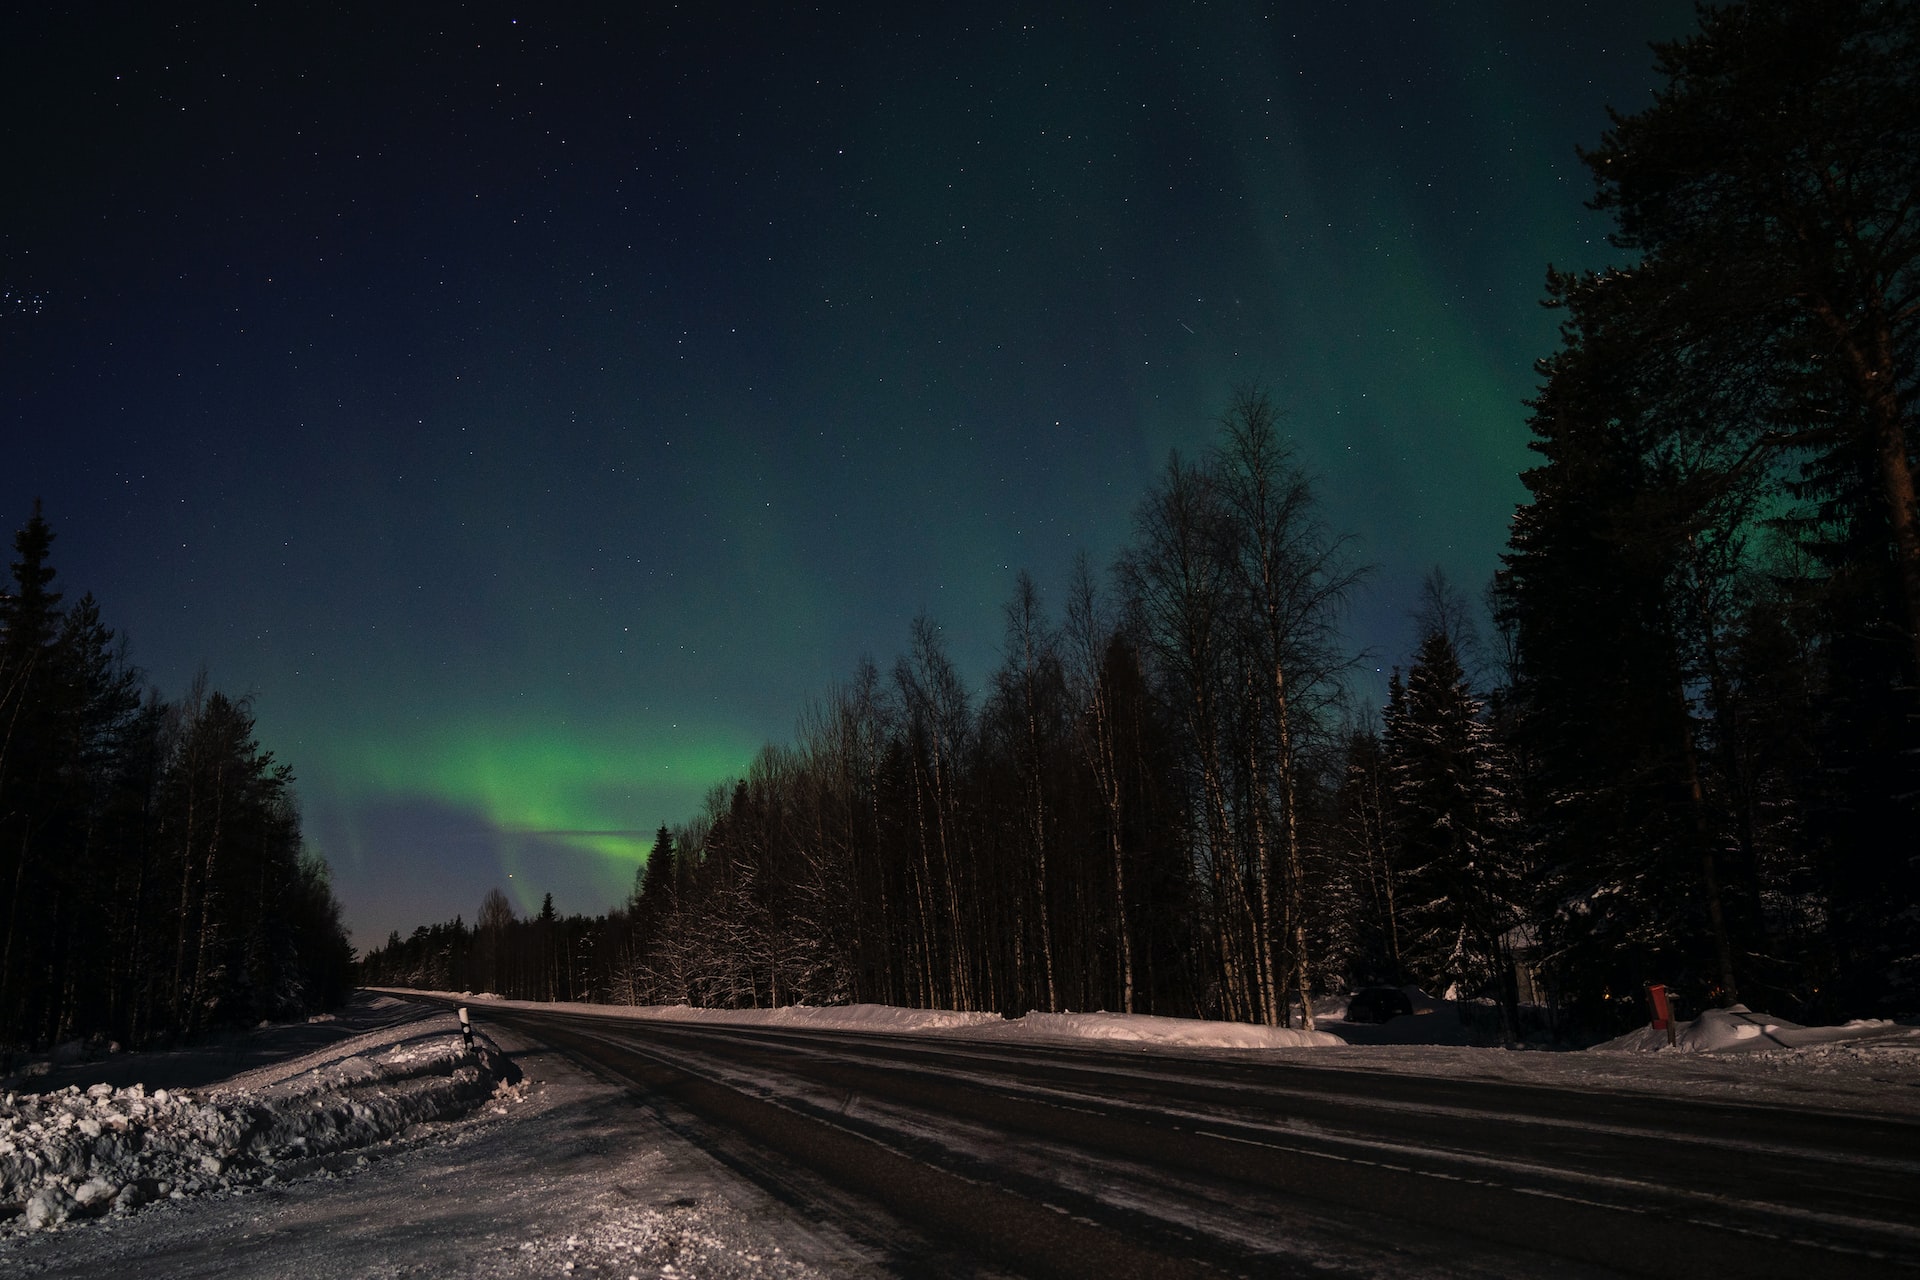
(533, 412)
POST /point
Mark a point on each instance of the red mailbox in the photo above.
(1662, 1009)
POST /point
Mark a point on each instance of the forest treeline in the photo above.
(153, 883)
(1682, 745)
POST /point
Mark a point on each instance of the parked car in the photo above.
(1378, 1004)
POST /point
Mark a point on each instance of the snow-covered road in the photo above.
(1058, 1160)
(869, 1141)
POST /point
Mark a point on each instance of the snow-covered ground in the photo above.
(1741, 1030)
(1862, 1067)
(1131, 1029)
(210, 1059)
(391, 1153)
(394, 1150)
(1731, 1055)
(80, 1152)
(75, 1152)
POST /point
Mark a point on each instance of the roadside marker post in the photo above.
(466, 1030)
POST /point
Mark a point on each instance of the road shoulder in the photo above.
(565, 1174)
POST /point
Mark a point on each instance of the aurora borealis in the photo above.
(534, 412)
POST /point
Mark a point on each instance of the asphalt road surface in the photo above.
(969, 1158)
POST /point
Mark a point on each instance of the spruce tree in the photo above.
(1600, 701)
(152, 879)
(1452, 830)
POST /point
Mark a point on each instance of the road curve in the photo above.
(970, 1158)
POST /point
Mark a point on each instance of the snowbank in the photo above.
(852, 1017)
(1869, 1075)
(1136, 1029)
(83, 1152)
(1740, 1029)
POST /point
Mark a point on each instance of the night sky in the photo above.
(532, 413)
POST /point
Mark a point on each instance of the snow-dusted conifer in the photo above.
(1451, 827)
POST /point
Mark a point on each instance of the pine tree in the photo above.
(29, 773)
(1772, 188)
(1751, 370)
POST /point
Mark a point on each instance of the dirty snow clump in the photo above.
(78, 1153)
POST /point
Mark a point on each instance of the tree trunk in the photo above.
(1709, 872)
(1873, 373)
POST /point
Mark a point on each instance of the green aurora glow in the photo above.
(533, 793)
(535, 453)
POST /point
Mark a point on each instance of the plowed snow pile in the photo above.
(85, 1152)
(1137, 1029)
(1741, 1029)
